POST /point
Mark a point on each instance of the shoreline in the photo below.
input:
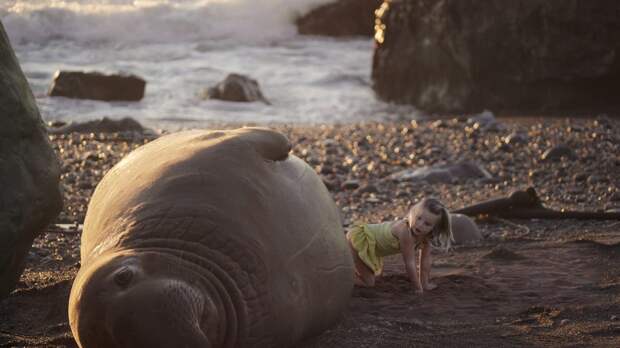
(356, 161)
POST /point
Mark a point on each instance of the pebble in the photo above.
(369, 188)
(351, 184)
(594, 179)
(579, 177)
(556, 153)
(516, 138)
(372, 151)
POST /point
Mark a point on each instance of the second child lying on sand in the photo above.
(427, 224)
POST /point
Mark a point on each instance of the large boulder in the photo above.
(340, 18)
(504, 55)
(97, 86)
(29, 170)
(236, 88)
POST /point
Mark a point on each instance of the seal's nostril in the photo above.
(123, 277)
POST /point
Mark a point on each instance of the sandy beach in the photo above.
(541, 283)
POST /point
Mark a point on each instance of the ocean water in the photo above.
(182, 47)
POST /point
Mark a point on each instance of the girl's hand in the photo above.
(430, 286)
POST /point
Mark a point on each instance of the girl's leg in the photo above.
(364, 276)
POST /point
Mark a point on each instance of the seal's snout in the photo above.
(122, 302)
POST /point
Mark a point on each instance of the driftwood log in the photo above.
(526, 205)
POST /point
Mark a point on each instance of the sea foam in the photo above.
(151, 21)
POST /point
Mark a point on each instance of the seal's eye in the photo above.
(123, 277)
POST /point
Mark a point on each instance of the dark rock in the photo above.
(615, 197)
(448, 173)
(325, 169)
(56, 124)
(341, 18)
(579, 177)
(516, 138)
(331, 185)
(510, 56)
(504, 147)
(104, 125)
(29, 170)
(97, 86)
(556, 153)
(595, 179)
(351, 184)
(237, 88)
(370, 188)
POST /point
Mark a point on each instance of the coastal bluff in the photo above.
(551, 56)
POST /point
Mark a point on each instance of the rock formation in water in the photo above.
(237, 88)
(340, 18)
(510, 56)
(97, 86)
(29, 170)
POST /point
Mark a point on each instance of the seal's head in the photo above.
(131, 299)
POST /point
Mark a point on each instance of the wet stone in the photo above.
(370, 188)
(350, 184)
(556, 153)
(579, 177)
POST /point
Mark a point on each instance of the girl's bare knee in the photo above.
(369, 280)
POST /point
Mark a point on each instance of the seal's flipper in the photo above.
(270, 144)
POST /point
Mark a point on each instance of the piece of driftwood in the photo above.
(526, 205)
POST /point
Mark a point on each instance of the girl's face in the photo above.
(421, 221)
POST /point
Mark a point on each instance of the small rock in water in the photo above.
(237, 88)
(613, 318)
(556, 153)
(615, 197)
(564, 322)
(97, 86)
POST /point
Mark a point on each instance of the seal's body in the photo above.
(210, 239)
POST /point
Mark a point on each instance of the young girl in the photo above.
(427, 223)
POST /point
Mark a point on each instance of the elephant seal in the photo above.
(210, 239)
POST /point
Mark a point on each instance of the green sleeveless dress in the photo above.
(372, 242)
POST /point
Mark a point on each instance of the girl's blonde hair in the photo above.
(441, 236)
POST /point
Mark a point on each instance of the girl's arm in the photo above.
(425, 266)
(409, 257)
